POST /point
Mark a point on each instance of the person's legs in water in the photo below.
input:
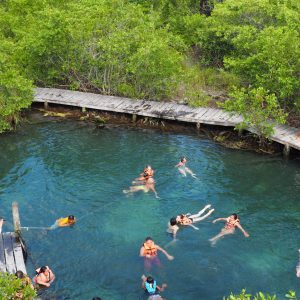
(149, 262)
(298, 266)
(198, 217)
(221, 234)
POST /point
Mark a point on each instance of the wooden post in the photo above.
(286, 150)
(16, 218)
(133, 118)
(198, 125)
(46, 104)
(83, 109)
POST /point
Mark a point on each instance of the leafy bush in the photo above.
(10, 286)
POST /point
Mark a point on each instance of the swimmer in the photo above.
(64, 222)
(149, 252)
(231, 223)
(298, 266)
(147, 173)
(151, 288)
(1, 224)
(149, 185)
(44, 276)
(187, 220)
(183, 169)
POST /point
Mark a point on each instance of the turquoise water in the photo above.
(54, 169)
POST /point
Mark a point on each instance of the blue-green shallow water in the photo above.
(60, 168)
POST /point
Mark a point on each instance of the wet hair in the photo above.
(235, 216)
(173, 221)
(42, 269)
(182, 158)
(19, 274)
(96, 298)
(71, 217)
(148, 238)
(150, 280)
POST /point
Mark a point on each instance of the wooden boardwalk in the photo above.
(11, 254)
(163, 110)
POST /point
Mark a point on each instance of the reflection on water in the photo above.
(56, 169)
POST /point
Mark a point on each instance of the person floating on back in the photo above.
(231, 223)
(44, 277)
(149, 251)
(152, 288)
(187, 220)
(183, 169)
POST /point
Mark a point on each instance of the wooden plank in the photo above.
(18, 254)
(2, 258)
(8, 253)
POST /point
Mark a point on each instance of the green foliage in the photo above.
(258, 108)
(15, 90)
(10, 285)
(259, 296)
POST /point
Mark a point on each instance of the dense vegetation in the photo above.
(152, 49)
(13, 288)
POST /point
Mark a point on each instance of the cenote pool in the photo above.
(53, 169)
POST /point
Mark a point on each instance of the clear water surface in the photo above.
(53, 169)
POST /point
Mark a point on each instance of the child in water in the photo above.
(151, 288)
(183, 169)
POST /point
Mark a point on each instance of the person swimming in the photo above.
(64, 222)
(183, 169)
(147, 173)
(44, 276)
(151, 287)
(148, 185)
(231, 223)
(187, 220)
(149, 251)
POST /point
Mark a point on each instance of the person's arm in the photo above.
(41, 282)
(169, 257)
(246, 234)
(162, 288)
(144, 278)
(219, 219)
(174, 231)
(52, 276)
(142, 251)
(191, 225)
(178, 165)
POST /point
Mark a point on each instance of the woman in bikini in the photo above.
(44, 276)
(149, 251)
(231, 223)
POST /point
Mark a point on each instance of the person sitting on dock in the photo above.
(149, 251)
(149, 185)
(26, 281)
(1, 224)
(152, 288)
(183, 169)
(231, 223)
(44, 276)
(187, 220)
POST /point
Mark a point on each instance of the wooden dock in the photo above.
(163, 110)
(11, 254)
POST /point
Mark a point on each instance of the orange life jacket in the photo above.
(151, 251)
